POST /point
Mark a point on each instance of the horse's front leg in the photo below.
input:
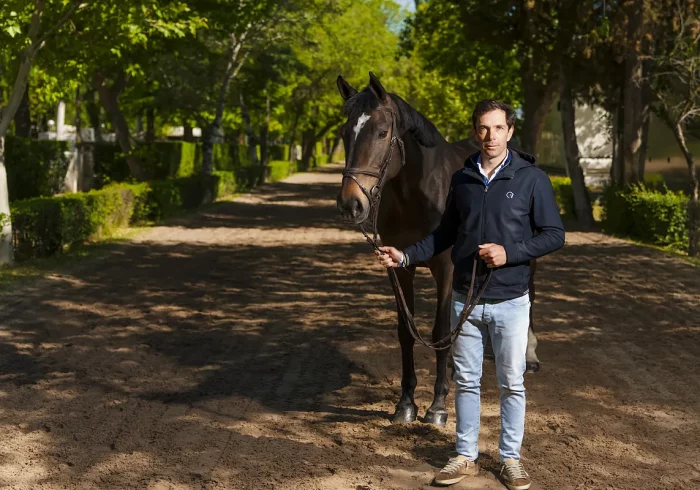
(406, 410)
(441, 269)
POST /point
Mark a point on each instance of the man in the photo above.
(501, 207)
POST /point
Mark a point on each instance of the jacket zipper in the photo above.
(481, 234)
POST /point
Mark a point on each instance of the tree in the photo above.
(24, 28)
(528, 31)
(676, 89)
(122, 37)
(337, 44)
(446, 74)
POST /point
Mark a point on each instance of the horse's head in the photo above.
(373, 119)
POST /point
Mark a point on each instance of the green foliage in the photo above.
(278, 152)
(280, 169)
(654, 180)
(564, 194)
(659, 217)
(44, 226)
(34, 167)
(447, 69)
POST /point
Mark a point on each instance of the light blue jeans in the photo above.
(506, 322)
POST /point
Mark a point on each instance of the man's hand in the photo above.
(390, 257)
(494, 255)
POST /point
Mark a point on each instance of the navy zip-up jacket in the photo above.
(517, 210)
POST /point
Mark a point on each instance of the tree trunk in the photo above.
(336, 143)
(109, 96)
(307, 148)
(634, 76)
(537, 103)
(23, 117)
(264, 153)
(187, 136)
(582, 201)
(232, 68)
(617, 169)
(252, 140)
(150, 125)
(293, 136)
(694, 204)
(208, 149)
(645, 104)
(6, 116)
(93, 111)
(6, 254)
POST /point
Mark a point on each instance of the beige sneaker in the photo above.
(456, 470)
(514, 475)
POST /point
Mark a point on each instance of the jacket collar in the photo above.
(519, 160)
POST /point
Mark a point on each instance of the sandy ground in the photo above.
(253, 346)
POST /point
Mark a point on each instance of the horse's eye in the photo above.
(383, 134)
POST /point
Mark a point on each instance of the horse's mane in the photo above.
(411, 120)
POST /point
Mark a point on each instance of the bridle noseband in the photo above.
(374, 196)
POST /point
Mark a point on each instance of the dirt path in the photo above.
(236, 349)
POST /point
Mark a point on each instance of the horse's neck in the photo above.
(438, 158)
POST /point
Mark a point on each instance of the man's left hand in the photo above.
(494, 255)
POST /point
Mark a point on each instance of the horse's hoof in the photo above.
(438, 418)
(532, 366)
(405, 415)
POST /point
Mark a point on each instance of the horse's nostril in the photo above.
(356, 209)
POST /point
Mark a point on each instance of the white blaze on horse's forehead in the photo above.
(360, 122)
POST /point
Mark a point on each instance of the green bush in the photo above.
(43, 226)
(564, 194)
(659, 217)
(654, 180)
(280, 169)
(35, 167)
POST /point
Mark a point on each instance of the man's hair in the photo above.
(488, 105)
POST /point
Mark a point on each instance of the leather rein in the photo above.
(374, 196)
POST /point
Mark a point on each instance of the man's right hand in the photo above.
(390, 257)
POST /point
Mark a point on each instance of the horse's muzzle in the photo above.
(352, 210)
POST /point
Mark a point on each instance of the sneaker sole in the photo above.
(517, 487)
(445, 483)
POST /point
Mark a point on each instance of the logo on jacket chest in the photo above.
(510, 195)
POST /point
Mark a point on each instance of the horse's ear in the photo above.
(345, 89)
(376, 87)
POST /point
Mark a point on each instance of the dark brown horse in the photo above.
(413, 195)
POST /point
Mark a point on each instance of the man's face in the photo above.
(493, 133)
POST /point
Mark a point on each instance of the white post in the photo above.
(60, 120)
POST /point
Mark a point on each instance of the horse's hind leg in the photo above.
(532, 362)
(406, 410)
(441, 268)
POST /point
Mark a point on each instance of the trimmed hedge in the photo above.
(659, 217)
(35, 167)
(280, 169)
(564, 194)
(45, 226)
(159, 160)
